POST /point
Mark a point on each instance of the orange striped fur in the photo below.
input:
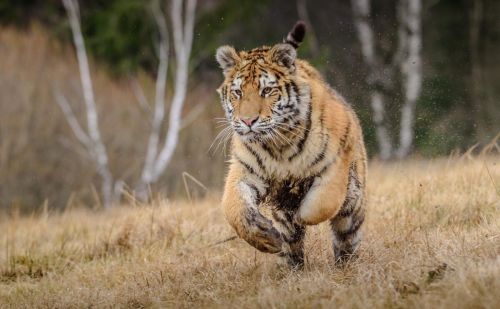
(298, 156)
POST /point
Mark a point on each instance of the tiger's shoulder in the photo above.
(334, 112)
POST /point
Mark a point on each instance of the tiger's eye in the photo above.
(266, 90)
(237, 92)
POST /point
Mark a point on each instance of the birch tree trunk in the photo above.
(377, 79)
(91, 137)
(157, 159)
(159, 105)
(410, 37)
(183, 39)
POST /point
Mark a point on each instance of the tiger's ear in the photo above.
(283, 54)
(227, 57)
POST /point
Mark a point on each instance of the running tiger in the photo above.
(297, 155)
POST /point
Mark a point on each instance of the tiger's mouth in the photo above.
(261, 135)
(271, 130)
(250, 134)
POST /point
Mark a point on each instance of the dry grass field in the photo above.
(432, 240)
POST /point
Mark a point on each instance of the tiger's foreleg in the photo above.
(240, 204)
(293, 236)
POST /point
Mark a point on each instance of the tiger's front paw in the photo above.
(261, 234)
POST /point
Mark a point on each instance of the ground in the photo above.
(432, 239)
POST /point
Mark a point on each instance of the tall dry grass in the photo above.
(432, 240)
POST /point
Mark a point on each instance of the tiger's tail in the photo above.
(296, 35)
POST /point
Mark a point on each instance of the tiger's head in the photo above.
(259, 94)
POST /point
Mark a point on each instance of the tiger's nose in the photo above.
(249, 121)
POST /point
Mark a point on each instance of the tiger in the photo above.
(297, 152)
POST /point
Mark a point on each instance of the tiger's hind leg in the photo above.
(347, 223)
(293, 235)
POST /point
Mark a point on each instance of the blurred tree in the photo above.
(407, 56)
(159, 156)
(90, 137)
(379, 78)
(410, 63)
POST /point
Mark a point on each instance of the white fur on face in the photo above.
(267, 80)
(236, 84)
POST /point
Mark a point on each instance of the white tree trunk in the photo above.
(411, 70)
(361, 11)
(159, 105)
(91, 138)
(183, 39)
(381, 131)
(157, 161)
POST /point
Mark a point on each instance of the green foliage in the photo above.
(432, 124)
(217, 27)
(22, 12)
(120, 33)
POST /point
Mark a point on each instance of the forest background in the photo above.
(42, 163)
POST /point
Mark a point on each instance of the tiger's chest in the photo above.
(287, 194)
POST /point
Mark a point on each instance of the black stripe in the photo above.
(298, 235)
(292, 239)
(343, 139)
(350, 202)
(256, 155)
(251, 217)
(320, 157)
(342, 236)
(259, 50)
(294, 233)
(256, 192)
(357, 211)
(279, 219)
(245, 66)
(324, 169)
(301, 143)
(322, 154)
(269, 151)
(296, 90)
(321, 117)
(354, 177)
(300, 232)
(224, 94)
(287, 89)
(347, 208)
(246, 165)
